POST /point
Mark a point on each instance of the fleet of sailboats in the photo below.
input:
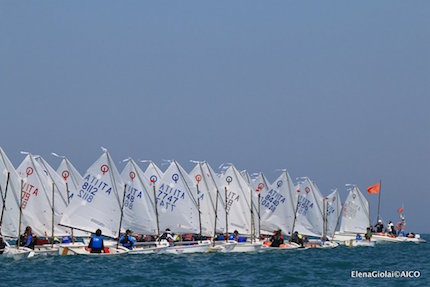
(61, 203)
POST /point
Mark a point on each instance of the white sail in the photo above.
(334, 208)
(238, 201)
(309, 214)
(207, 195)
(70, 175)
(258, 184)
(97, 204)
(278, 205)
(38, 203)
(11, 192)
(139, 209)
(355, 214)
(154, 173)
(176, 201)
(60, 190)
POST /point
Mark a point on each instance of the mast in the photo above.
(216, 201)
(226, 214)
(18, 242)
(379, 200)
(325, 206)
(4, 198)
(53, 214)
(68, 202)
(122, 213)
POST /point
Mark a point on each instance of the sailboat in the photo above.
(178, 209)
(140, 213)
(310, 214)
(355, 219)
(42, 202)
(97, 205)
(211, 205)
(277, 206)
(10, 191)
(238, 196)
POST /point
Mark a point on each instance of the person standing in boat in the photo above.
(127, 240)
(368, 234)
(96, 244)
(28, 239)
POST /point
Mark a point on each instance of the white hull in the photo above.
(158, 248)
(416, 239)
(83, 250)
(46, 249)
(247, 247)
(18, 253)
(357, 243)
(223, 247)
(319, 244)
(185, 249)
(379, 238)
(285, 246)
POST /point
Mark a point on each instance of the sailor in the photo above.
(96, 243)
(379, 226)
(358, 237)
(2, 245)
(277, 239)
(368, 234)
(391, 229)
(127, 240)
(28, 239)
(167, 235)
(234, 236)
(297, 238)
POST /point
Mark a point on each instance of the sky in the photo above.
(335, 90)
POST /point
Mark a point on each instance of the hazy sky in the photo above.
(335, 90)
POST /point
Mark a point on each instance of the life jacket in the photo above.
(97, 242)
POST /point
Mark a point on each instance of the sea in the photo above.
(310, 267)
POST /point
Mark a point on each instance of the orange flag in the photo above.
(374, 189)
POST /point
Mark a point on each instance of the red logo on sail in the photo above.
(65, 174)
(29, 171)
(198, 178)
(104, 168)
(132, 175)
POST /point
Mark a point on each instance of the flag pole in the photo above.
(379, 199)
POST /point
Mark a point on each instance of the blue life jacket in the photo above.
(97, 241)
(220, 237)
(241, 239)
(126, 241)
(66, 239)
(358, 237)
(232, 237)
(29, 239)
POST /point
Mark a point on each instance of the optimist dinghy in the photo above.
(84, 250)
(285, 246)
(17, 252)
(200, 247)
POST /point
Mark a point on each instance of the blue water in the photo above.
(329, 267)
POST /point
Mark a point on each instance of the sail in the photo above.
(207, 194)
(258, 185)
(60, 190)
(70, 175)
(154, 173)
(309, 214)
(40, 209)
(139, 210)
(176, 201)
(238, 201)
(97, 204)
(355, 214)
(10, 191)
(278, 205)
(334, 207)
